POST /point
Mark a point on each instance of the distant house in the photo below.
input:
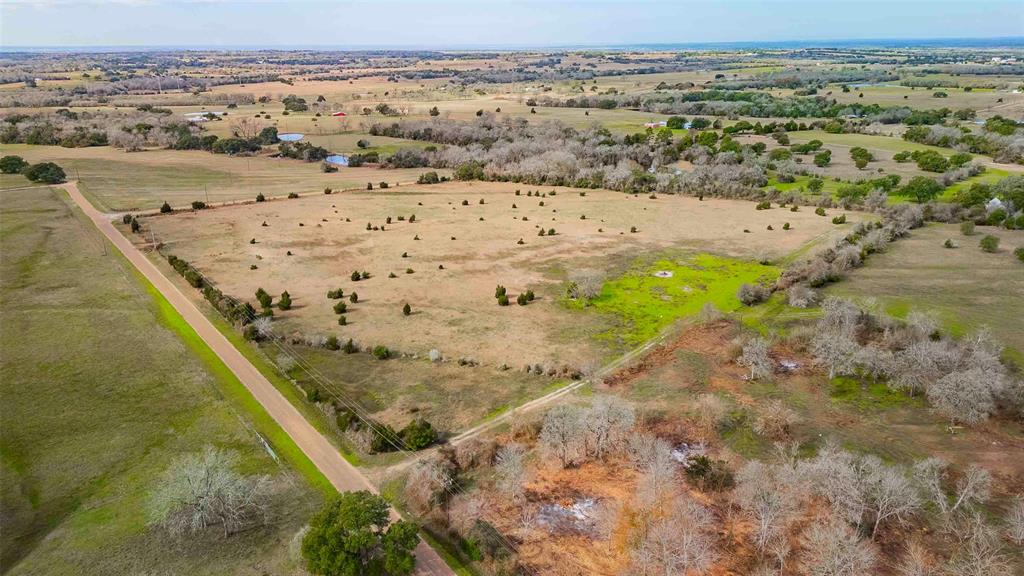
(661, 124)
(339, 114)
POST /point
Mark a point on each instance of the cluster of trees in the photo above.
(43, 172)
(962, 379)
(1003, 141)
(554, 154)
(353, 535)
(235, 311)
(304, 151)
(376, 437)
(857, 497)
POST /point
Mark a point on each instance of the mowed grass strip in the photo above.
(102, 388)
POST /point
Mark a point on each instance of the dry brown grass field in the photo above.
(454, 309)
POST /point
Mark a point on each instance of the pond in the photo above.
(337, 159)
(290, 137)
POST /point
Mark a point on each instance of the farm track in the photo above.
(540, 401)
(342, 475)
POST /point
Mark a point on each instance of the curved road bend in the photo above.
(325, 457)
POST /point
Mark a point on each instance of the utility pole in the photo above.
(207, 191)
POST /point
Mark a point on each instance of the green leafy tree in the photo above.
(353, 536)
(45, 172)
(285, 303)
(418, 434)
(922, 189)
(165, 208)
(12, 164)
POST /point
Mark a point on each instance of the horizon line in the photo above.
(1013, 41)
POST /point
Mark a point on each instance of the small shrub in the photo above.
(751, 294)
(340, 307)
(165, 208)
(763, 205)
(530, 296)
(521, 300)
(285, 303)
(383, 185)
(819, 211)
(381, 352)
(198, 205)
(353, 297)
(499, 291)
(369, 185)
(967, 228)
(355, 276)
(293, 195)
(1019, 253)
(350, 347)
(841, 219)
(632, 229)
(989, 243)
(342, 320)
(786, 226)
(332, 343)
(335, 294)
(949, 243)
(260, 197)
(406, 310)
(503, 300)
(709, 475)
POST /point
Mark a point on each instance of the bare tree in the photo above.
(563, 435)
(429, 484)
(645, 450)
(246, 128)
(509, 470)
(977, 550)
(930, 474)
(463, 512)
(890, 495)
(916, 561)
(264, 326)
(768, 503)
(836, 349)
(1015, 521)
(964, 396)
(775, 420)
(755, 356)
(708, 410)
(203, 489)
(657, 483)
(607, 423)
(586, 284)
(833, 549)
(678, 543)
(973, 488)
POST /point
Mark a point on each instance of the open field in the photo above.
(966, 288)
(118, 181)
(986, 102)
(102, 415)
(454, 309)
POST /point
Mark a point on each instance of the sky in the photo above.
(492, 23)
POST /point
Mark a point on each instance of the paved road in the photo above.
(326, 457)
